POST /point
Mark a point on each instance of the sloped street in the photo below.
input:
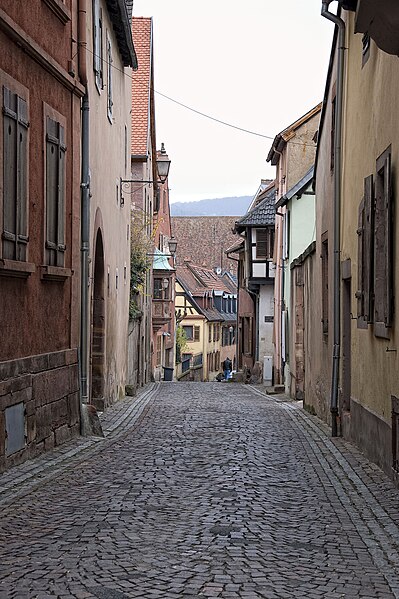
(200, 490)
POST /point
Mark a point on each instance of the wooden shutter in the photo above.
(15, 185)
(383, 292)
(388, 306)
(55, 193)
(360, 263)
(368, 249)
(196, 333)
(261, 244)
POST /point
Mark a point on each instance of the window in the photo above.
(98, 58)
(159, 350)
(196, 333)
(110, 103)
(55, 192)
(375, 250)
(162, 288)
(324, 283)
(15, 183)
(209, 333)
(189, 331)
(365, 292)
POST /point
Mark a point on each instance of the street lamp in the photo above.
(163, 166)
(172, 244)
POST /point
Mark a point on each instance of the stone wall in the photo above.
(39, 405)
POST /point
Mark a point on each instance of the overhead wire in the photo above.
(199, 112)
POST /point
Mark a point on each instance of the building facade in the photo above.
(39, 220)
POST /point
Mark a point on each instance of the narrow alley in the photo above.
(200, 490)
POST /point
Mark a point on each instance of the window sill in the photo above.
(15, 268)
(60, 10)
(55, 273)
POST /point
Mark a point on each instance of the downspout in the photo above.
(337, 213)
(85, 210)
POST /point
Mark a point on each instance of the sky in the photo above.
(258, 65)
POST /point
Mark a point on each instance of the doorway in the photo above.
(98, 327)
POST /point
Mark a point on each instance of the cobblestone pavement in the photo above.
(201, 490)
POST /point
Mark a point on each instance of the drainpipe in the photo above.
(85, 207)
(337, 212)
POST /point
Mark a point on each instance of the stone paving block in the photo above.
(210, 494)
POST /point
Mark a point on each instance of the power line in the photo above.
(203, 114)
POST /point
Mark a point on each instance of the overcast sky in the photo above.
(258, 64)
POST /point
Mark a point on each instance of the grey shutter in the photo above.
(15, 185)
(61, 197)
(55, 193)
(360, 262)
(261, 244)
(388, 311)
(368, 248)
(96, 38)
(51, 191)
(383, 246)
(9, 174)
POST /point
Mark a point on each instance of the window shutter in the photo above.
(96, 37)
(9, 174)
(388, 312)
(22, 178)
(55, 193)
(383, 293)
(196, 333)
(360, 262)
(368, 249)
(61, 197)
(261, 244)
(15, 193)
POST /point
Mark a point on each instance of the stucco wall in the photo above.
(108, 163)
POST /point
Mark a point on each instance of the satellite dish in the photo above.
(218, 270)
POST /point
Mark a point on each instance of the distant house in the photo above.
(292, 153)
(256, 275)
(299, 233)
(141, 197)
(206, 308)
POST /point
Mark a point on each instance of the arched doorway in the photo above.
(98, 327)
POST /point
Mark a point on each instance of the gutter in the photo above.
(337, 213)
(85, 212)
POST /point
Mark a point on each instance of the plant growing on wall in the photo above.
(140, 263)
(181, 343)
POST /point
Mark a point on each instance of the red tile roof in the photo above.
(141, 85)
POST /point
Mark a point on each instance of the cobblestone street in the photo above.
(201, 490)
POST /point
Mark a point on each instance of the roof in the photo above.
(119, 14)
(263, 215)
(238, 246)
(141, 85)
(161, 261)
(284, 136)
(297, 189)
